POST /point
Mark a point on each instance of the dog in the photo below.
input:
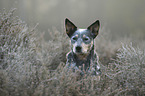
(82, 56)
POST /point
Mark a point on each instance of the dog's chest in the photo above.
(83, 64)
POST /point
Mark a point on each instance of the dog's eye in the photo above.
(86, 39)
(74, 38)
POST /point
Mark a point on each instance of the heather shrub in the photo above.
(128, 72)
(18, 60)
(31, 66)
(106, 46)
(68, 83)
(58, 47)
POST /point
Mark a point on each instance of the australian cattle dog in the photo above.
(82, 56)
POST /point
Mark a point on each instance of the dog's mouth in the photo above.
(81, 56)
(79, 51)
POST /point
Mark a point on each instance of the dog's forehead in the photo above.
(82, 32)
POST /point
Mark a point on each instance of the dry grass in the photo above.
(128, 72)
(30, 66)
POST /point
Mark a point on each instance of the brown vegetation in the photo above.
(30, 66)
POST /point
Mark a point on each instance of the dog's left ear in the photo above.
(70, 27)
(94, 28)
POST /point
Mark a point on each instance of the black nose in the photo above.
(78, 48)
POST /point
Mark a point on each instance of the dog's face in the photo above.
(82, 40)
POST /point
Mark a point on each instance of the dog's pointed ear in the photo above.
(94, 28)
(70, 27)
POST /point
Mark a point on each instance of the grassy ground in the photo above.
(30, 66)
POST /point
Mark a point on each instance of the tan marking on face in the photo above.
(77, 35)
(92, 43)
(84, 36)
(86, 48)
(74, 47)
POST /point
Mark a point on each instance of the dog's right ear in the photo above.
(70, 27)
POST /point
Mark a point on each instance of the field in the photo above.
(31, 66)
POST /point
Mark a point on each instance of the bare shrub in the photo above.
(19, 66)
(128, 72)
(58, 47)
(105, 46)
(30, 66)
(68, 83)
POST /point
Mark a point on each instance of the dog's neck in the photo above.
(82, 56)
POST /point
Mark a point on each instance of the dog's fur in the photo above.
(82, 56)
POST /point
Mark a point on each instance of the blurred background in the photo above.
(123, 18)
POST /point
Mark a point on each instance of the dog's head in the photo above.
(82, 40)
